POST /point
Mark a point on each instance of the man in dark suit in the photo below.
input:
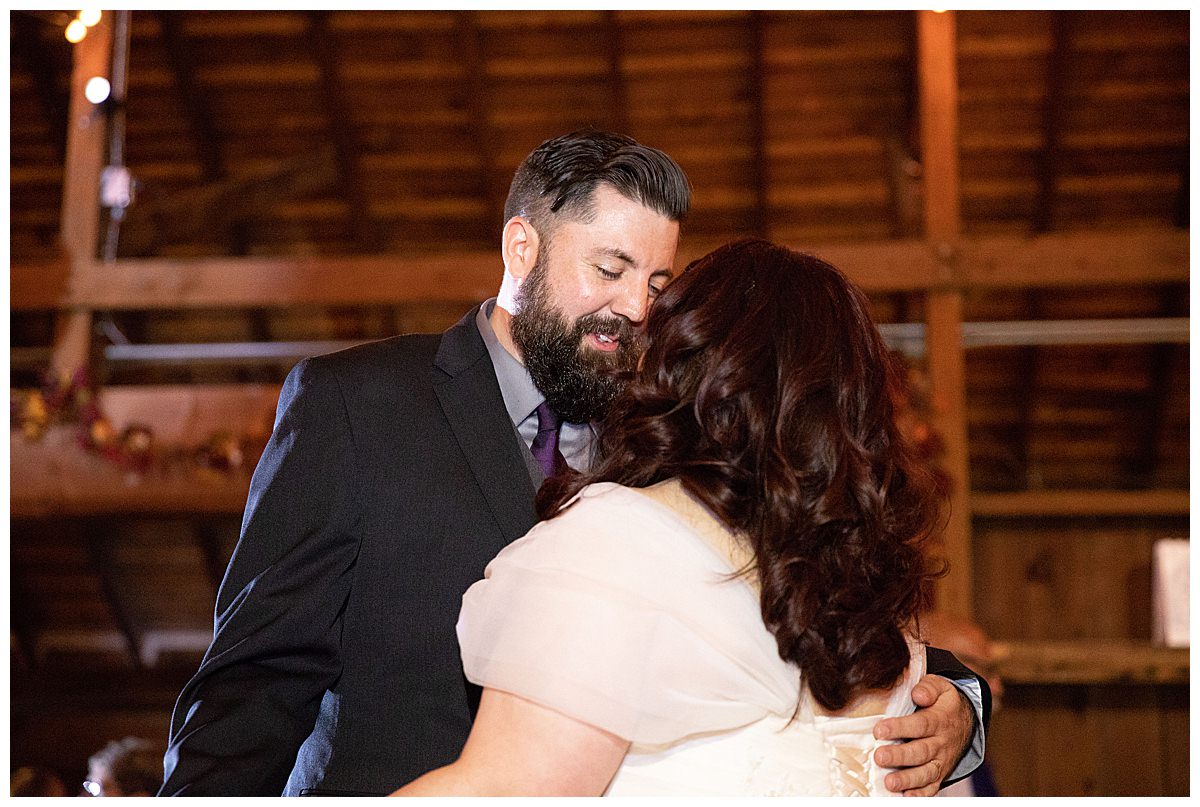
(398, 469)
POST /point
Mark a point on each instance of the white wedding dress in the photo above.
(622, 612)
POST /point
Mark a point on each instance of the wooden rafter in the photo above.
(181, 57)
(760, 218)
(470, 41)
(30, 47)
(209, 539)
(101, 550)
(345, 140)
(1052, 120)
(618, 92)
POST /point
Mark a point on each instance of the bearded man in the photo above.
(398, 469)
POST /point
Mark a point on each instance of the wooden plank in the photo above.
(1081, 258)
(1142, 256)
(1081, 503)
(1090, 661)
(278, 282)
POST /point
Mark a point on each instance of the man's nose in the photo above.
(632, 304)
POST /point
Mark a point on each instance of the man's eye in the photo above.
(608, 274)
(655, 291)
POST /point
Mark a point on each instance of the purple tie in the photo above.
(545, 445)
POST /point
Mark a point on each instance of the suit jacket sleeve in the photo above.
(943, 663)
(240, 721)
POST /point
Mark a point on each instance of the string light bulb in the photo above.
(90, 16)
(75, 32)
(97, 89)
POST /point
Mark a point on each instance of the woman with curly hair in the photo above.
(727, 602)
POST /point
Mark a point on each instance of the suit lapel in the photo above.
(466, 386)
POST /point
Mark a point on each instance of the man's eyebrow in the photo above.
(619, 254)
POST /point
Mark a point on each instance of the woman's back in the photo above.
(623, 612)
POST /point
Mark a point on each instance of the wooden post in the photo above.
(938, 82)
(80, 226)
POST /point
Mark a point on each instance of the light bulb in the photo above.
(76, 31)
(97, 89)
(90, 16)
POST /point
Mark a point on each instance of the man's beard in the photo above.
(579, 382)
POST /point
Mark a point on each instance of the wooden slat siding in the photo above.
(1090, 740)
(1053, 114)
(80, 215)
(1048, 503)
(937, 80)
(760, 216)
(474, 81)
(614, 47)
(1084, 258)
(1067, 578)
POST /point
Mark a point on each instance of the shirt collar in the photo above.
(517, 389)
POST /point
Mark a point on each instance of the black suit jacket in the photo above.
(392, 477)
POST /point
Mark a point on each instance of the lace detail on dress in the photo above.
(849, 770)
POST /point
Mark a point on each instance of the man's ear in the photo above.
(519, 247)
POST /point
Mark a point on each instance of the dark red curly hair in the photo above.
(767, 390)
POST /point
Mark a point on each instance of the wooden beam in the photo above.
(101, 550)
(1083, 258)
(760, 223)
(1090, 661)
(937, 78)
(1075, 503)
(222, 204)
(341, 127)
(80, 222)
(1052, 118)
(182, 60)
(618, 92)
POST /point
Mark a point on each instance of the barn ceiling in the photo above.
(274, 133)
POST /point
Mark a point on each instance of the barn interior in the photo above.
(1011, 189)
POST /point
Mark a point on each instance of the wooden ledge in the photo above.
(1090, 661)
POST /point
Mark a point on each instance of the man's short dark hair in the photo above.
(558, 178)
(133, 763)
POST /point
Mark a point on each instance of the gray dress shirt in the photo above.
(522, 398)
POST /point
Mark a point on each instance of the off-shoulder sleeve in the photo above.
(612, 613)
